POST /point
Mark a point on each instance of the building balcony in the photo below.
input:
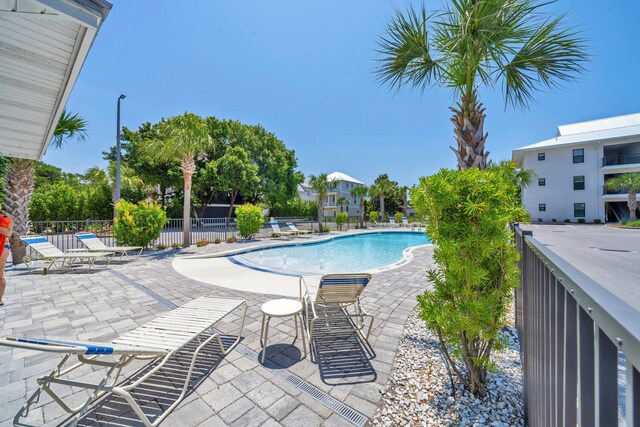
(621, 159)
(607, 192)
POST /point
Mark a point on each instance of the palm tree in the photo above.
(629, 182)
(340, 201)
(187, 137)
(128, 179)
(382, 189)
(405, 200)
(361, 191)
(474, 43)
(320, 185)
(21, 178)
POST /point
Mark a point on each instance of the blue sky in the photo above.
(304, 71)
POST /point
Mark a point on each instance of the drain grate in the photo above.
(346, 412)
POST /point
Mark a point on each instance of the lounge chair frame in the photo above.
(275, 228)
(64, 260)
(337, 296)
(99, 246)
(143, 343)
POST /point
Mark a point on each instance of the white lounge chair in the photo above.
(276, 230)
(405, 221)
(392, 221)
(158, 340)
(336, 294)
(296, 231)
(48, 252)
(94, 244)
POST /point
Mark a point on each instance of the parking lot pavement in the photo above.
(610, 256)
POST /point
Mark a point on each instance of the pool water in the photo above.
(347, 254)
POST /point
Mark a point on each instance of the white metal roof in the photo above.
(43, 45)
(339, 176)
(600, 124)
(594, 131)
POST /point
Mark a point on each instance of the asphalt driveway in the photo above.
(610, 256)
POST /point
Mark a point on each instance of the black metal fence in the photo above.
(575, 338)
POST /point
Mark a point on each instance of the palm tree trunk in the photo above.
(381, 208)
(20, 181)
(320, 213)
(468, 121)
(632, 203)
(188, 166)
(362, 213)
(404, 205)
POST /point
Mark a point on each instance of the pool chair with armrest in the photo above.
(93, 244)
(405, 221)
(392, 222)
(48, 252)
(276, 230)
(335, 296)
(158, 341)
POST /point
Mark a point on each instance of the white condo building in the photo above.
(571, 170)
(342, 184)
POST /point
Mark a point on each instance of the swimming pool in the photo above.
(343, 254)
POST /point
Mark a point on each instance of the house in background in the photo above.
(342, 184)
(571, 170)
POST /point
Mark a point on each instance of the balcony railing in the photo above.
(574, 335)
(606, 191)
(620, 159)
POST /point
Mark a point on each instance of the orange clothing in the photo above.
(4, 222)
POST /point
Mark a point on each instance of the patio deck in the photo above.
(287, 390)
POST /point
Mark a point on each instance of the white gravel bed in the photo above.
(419, 391)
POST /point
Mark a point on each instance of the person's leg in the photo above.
(3, 281)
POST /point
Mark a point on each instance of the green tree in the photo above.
(320, 185)
(476, 270)
(476, 43)
(185, 137)
(138, 224)
(233, 173)
(21, 180)
(249, 220)
(383, 189)
(341, 218)
(340, 201)
(629, 182)
(405, 200)
(360, 193)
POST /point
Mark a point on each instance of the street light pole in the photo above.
(120, 98)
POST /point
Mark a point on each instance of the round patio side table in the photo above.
(280, 308)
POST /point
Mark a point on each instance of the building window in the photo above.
(578, 182)
(542, 182)
(578, 210)
(540, 157)
(578, 155)
(542, 207)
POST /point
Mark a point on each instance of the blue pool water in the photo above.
(340, 255)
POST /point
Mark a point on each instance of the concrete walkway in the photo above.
(287, 390)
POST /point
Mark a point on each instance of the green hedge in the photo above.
(249, 220)
(138, 224)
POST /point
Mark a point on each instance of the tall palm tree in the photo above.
(187, 138)
(128, 179)
(475, 43)
(631, 183)
(405, 199)
(320, 185)
(341, 201)
(382, 189)
(361, 191)
(21, 178)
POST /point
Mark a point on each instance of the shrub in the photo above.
(467, 214)
(275, 235)
(138, 224)
(231, 239)
(176, 246)
(202, 242)
(373, 216)
(216, 241)
(567, 220)
(161, 247)
(597, 221)
(581, 220)
(297, 207)
(341, 217)
(554, 220)
(249, 220)
(398, 217)
(539, 219)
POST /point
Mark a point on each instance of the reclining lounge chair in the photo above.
(158, 340)
(94, 244)
(48, 252)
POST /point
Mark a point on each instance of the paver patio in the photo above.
(287, 390)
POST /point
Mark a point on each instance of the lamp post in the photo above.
(120, 98)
